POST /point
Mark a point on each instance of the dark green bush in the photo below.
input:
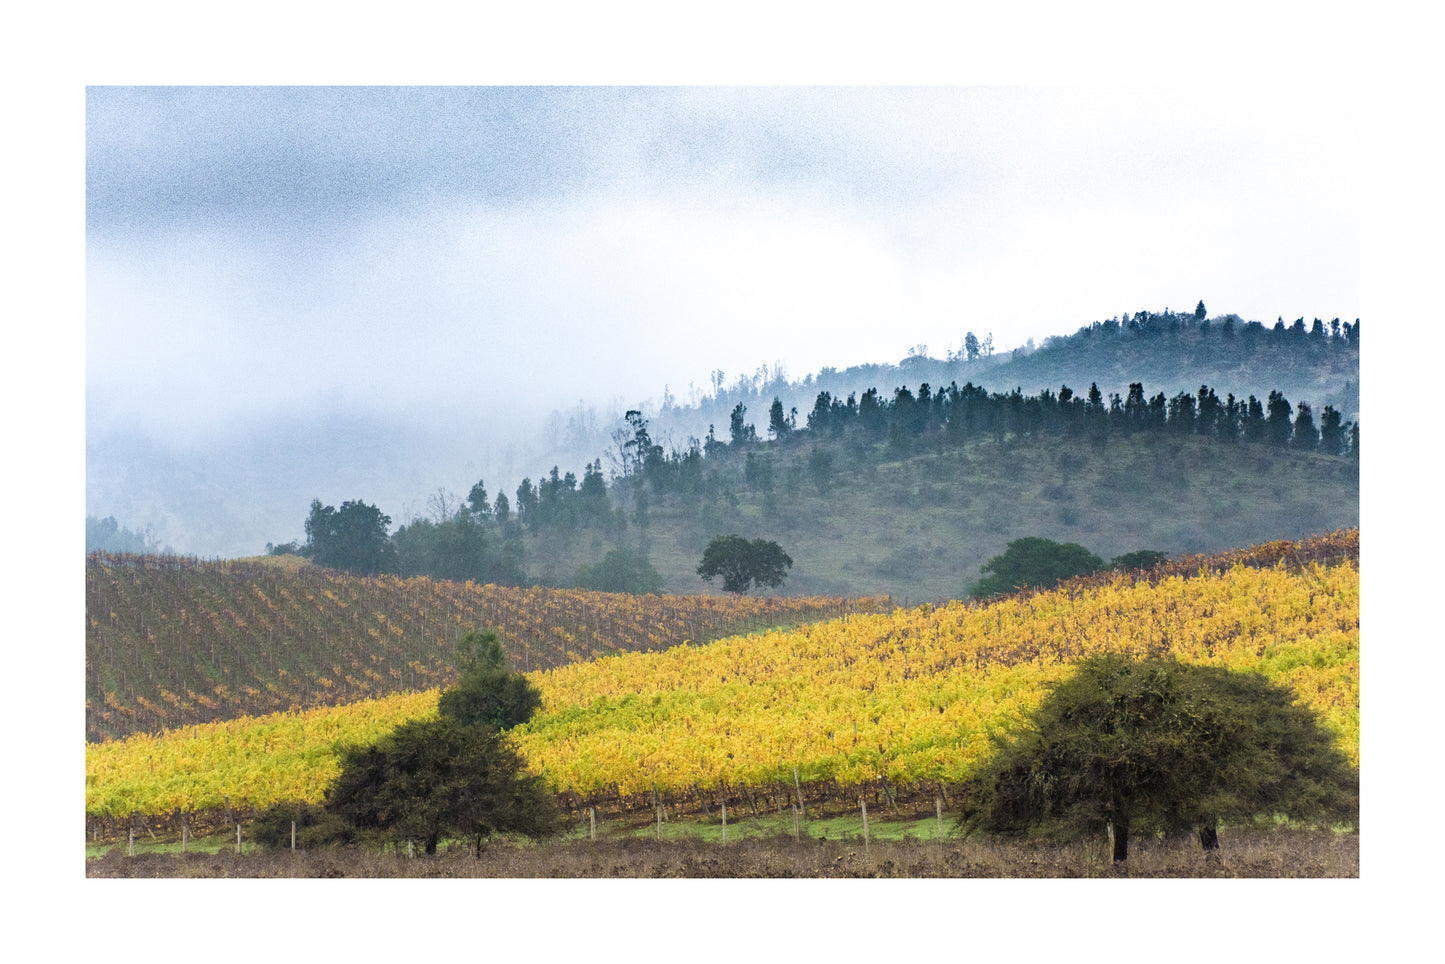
(315, 827)
(1158, 745)
(435, 777)
(488, 695)
(1034, 561)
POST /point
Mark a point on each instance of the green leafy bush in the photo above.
(1034, 561)
(488, 695)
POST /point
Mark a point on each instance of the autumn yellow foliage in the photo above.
(907, 695)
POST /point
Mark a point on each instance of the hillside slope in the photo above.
(869, 702)
(918, 526)
(172, 641)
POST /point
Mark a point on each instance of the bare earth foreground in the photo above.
(1252, 854)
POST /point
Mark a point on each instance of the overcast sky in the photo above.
(253, 251)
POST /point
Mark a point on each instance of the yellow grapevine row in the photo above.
(250, 761)
(172, 642)
(910, 695)
(907, 695)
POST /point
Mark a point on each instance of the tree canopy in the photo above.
(435, 776)
(488, 695)
(621, 570)
(743, 563)
(1159, 745)
(353, 538)
(455, 773)
(1034, 561)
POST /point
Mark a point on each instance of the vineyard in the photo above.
(172, 642)
(885, 703)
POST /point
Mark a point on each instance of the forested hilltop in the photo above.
(896, 498)
(1313, 361)
(1150, 431)
(909, 491)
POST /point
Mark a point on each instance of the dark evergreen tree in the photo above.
(1305, 437)
(621, 570)
(1181, 413)
(1332, 436)
(1158, 413)
(592, 496)
(871, 415)
(1254, 424)
(1277, 423)
(778, 425)
(1229, 419)
(527, 501)
(459, 549)
(1207, 412)
(477, 501)
(740, 432)
(1136, 409)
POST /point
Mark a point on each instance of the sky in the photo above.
(431, 252)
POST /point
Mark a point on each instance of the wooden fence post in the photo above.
(293, 835)
(864, 804)
(593, 816)
(130, 848)
(725, 820)
(238, 836)
(798, 786)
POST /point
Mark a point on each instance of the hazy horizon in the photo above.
(455, 264)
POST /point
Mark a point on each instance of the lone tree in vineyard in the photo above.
(742, 563)
(435, 776)
(1149, 745)
(1034, 561)
(456, 773)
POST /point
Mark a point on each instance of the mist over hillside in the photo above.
(229, 494)
(1167, 351)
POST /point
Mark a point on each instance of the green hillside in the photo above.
(919, 525)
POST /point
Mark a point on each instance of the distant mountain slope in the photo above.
(1312, 361)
